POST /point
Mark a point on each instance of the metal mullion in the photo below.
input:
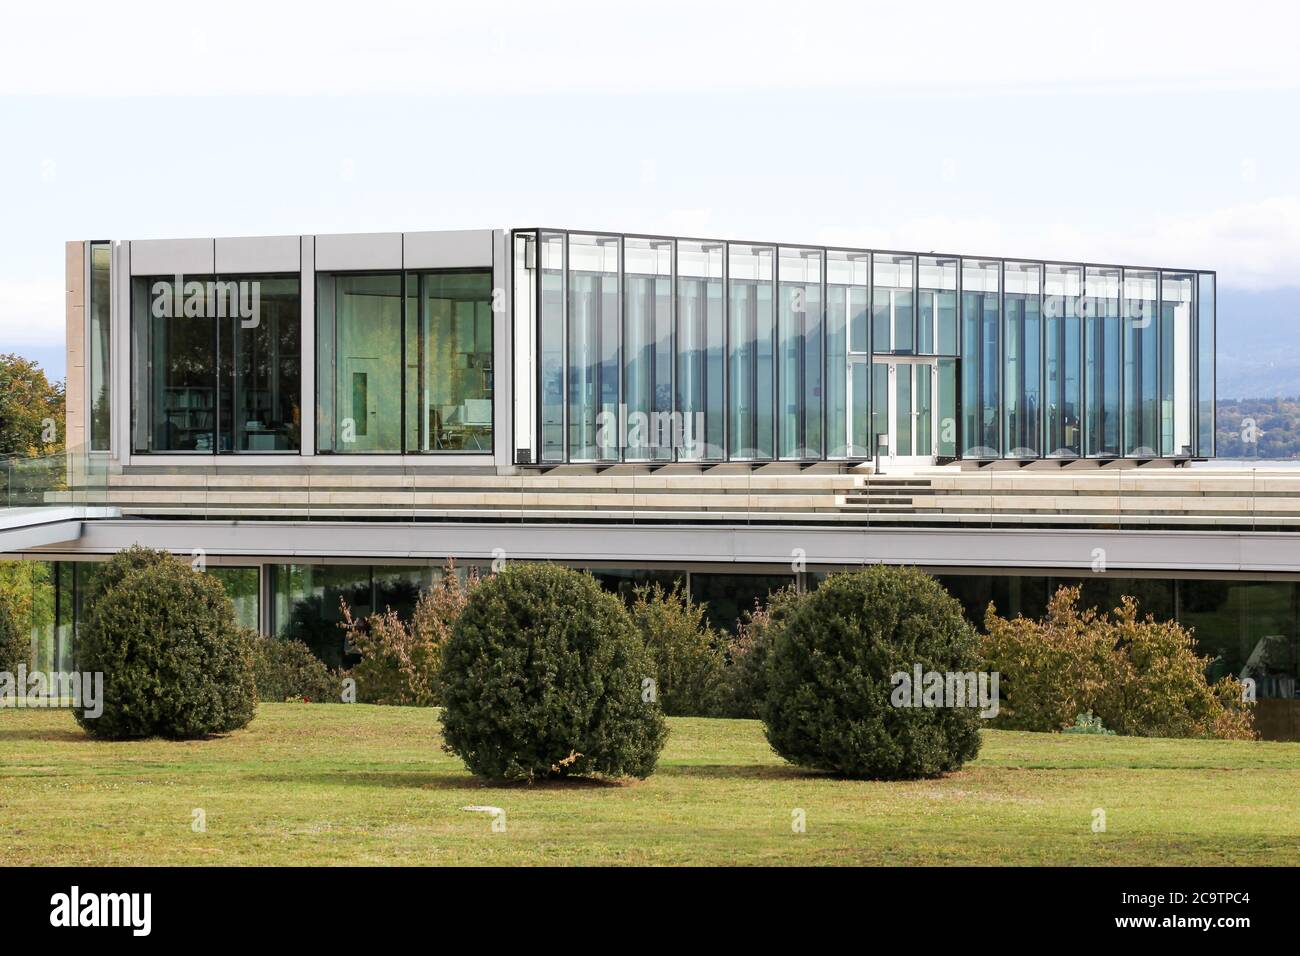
(621, 317)
(564, 351)
(672, 292)
(726, 351)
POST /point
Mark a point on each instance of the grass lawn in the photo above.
(355, 784)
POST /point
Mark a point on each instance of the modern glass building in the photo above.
(333, 417)
(657, 348)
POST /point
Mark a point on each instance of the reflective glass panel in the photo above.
(799, 371)
(1063, 335)
(1177, 295)
(936, 306)
(751, 376)
(1101, 328)
(701, 350)
(1022, 348)
(593, 348)
(848, 368)
(1141, 365)
(651, 430)
(980, 317)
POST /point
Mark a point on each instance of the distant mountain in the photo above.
(1259, 343)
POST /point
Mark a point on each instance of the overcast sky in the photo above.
(1148, 133)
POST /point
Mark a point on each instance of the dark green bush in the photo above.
(15, 646)
(829, 671)
(687, 658)
(175, 662)
(287, 669)
(542, 677)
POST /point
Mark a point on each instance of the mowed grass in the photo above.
(327, 784)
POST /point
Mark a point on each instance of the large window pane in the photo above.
(799, 371)
(946, 416)
(848, 367)
(751, 377)
(648, 350)
(980, 316)
(175, 389)
(449, 374)
(261, 376)
(99, 358)
(552, 373)
(891, 304)
(359, 366)
(593, 348)
(1141, 365)
(936, 307)
(1177, 293)
(1100, 306)
(1022, 347)
(701, 350)
(1063, 332)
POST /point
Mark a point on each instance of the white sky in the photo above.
(1152, 133)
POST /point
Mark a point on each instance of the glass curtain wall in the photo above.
(1177, 296)
(1063, 335)
(891, 304)
(751, 376)
(848, 355)
(652, 433)
(799, 371)
(594, 422)
(99, 358)
(936, 306)
(701, 350)
(1022, 351)
(1101, 325)
(658, 349)
(981, 359)
(1141, 352)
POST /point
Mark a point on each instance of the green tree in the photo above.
(29, 402)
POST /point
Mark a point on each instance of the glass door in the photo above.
(905, 395)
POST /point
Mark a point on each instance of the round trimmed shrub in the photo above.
(288, 670)
(175, 661)
(542, 677)
(830, 702)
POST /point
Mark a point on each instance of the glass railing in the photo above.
(68, 478)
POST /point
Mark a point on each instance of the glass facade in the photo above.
(216, 364)
(404, 362)
(722, 351)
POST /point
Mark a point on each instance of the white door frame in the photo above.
(917, 456)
